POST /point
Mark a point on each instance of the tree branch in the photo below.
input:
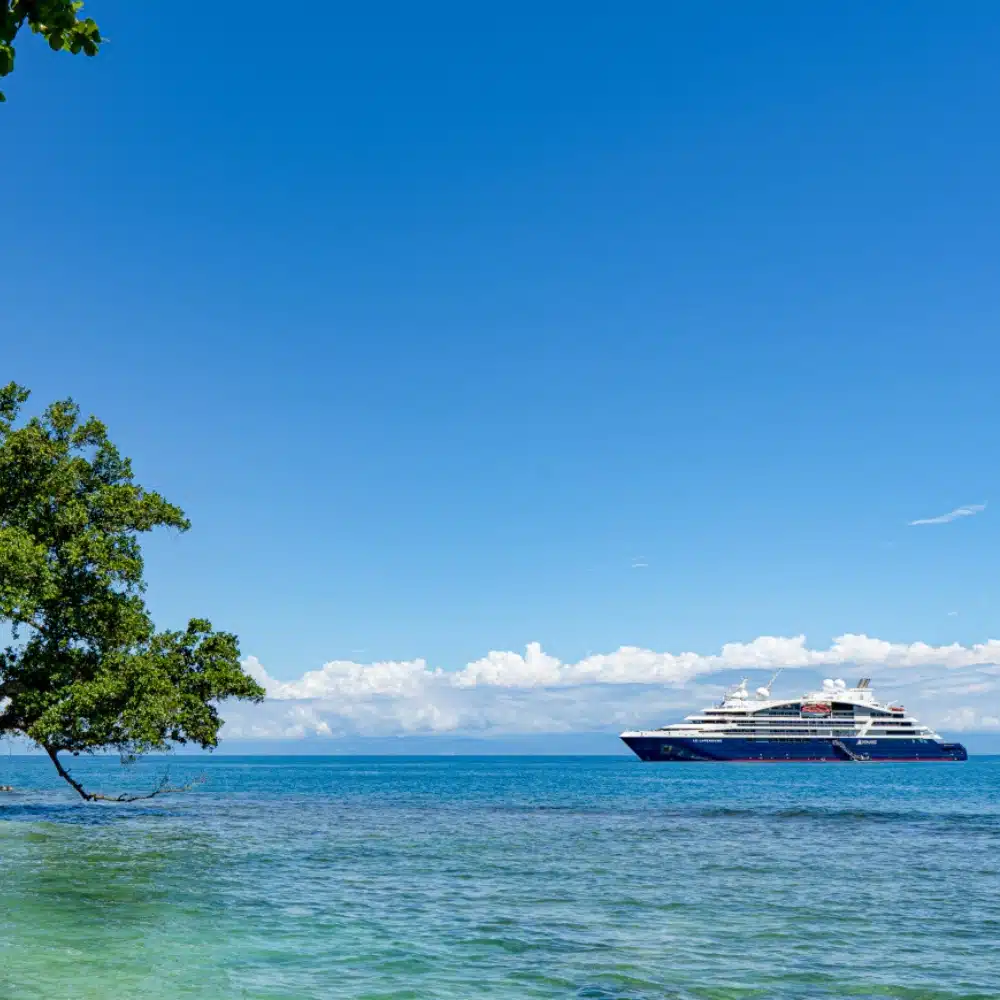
(162, 788)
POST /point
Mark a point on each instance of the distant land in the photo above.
(537, 744)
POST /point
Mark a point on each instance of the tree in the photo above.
(85, 670)
(57, 21)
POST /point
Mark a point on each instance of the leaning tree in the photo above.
(85, 669)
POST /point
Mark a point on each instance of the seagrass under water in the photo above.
(504, 877)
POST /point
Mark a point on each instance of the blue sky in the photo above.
(437, 320)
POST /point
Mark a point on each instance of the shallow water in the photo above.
(443, 877)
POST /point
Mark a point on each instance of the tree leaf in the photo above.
(57, 21)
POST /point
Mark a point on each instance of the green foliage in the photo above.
(86, 670)
(57, 21)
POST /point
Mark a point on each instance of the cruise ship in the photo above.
(836, 724)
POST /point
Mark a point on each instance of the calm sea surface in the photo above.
(463, 877)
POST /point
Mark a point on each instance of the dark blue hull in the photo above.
(847, 749)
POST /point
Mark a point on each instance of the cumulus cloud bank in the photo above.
(507, 692)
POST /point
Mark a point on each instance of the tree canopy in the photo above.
(85, 669)
(58, 21)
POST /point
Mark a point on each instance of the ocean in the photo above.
(463, 877)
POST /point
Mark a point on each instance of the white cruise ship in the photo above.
(838, 723)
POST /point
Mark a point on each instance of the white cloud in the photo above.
(952, 515)
(533, 691)
(969, 720)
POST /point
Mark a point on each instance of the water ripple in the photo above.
(460, 878)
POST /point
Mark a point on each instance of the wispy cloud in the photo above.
(639, 562)
(532, 691)
(952, 515)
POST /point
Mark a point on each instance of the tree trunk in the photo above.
(163, 788)
(67, 777)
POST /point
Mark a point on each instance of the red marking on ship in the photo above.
(816, 708)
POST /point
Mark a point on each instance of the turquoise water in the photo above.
(504, 877)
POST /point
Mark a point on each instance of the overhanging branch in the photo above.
(163, 787)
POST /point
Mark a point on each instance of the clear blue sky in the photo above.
(435, 317)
